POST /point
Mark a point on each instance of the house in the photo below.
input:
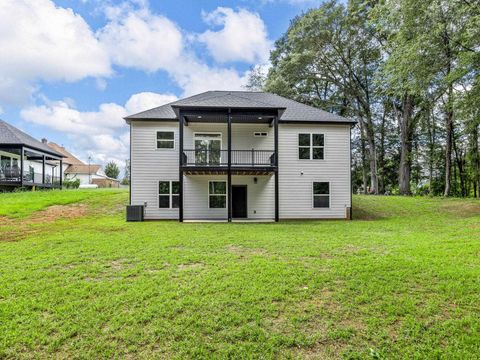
(27, 162)
(74, 169)
(240, 155)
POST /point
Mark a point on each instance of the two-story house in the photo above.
(223, 155)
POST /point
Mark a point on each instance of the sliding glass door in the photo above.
(208, 148)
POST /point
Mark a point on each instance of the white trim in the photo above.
(170, 194)
(173, 140)
(329, 195)
(207, 138)
(311, 147)
(208, 192)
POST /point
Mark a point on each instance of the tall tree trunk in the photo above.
(406, 134)
(431, 139)
(370, 135)
(381, 155)
(448, 142)
(364, 158)
(477, 161)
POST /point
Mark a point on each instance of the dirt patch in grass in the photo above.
(244, 251)
(18, 229)
(190, 266)
(461, 209)
(57, 212)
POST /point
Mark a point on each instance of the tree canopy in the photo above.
(408, 71)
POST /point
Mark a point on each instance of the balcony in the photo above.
(212, 161)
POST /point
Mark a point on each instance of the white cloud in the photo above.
(41, 41)
(147, 100)
(140, 39)
(101, 134)
(243, 36)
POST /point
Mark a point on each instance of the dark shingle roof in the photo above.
(293, 110)
(9, 134)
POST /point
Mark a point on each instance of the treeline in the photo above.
(408, 71)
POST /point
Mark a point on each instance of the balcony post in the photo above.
(276, 167)
(181, 120)
(61, 173)
(21, 166)
(229, 172)
(43, 169)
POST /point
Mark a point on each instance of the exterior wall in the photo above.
(295, 189)
(260, 196)
(242, 135)
(149, 165)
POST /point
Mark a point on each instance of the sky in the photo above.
(70, 70)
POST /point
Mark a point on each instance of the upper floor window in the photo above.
(321, 194)
(165, 140)
(311, 146)
(168, 194)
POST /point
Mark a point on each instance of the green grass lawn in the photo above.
(400, 281)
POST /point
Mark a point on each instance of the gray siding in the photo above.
(296, 195)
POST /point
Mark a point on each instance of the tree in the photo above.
(112, 170)
(126, 176)
(408, 71)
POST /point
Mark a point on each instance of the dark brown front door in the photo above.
(239, 201)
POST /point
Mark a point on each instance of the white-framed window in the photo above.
(168, 194)
(208, 148)
(311, 146)
(260, 134)
(321, 194)
(217, 194)
(165, 140)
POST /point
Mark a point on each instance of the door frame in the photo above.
(246, 200)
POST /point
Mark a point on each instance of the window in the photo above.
(168, 194)
(217, 194)
(321, 194)
(208, 148)
(311, 146)
(260, 134)
(165, 140)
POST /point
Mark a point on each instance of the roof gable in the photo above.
(291, 111)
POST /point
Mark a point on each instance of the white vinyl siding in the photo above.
(297, 176)
(260, 196)
(149, 166)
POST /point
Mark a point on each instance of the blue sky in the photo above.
(76, 67)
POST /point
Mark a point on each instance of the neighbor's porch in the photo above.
(23, 166)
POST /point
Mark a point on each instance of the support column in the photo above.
(181, 121)
(43, 169)
(229, 172)
(276, 172)
(22, 158)
(61, 173)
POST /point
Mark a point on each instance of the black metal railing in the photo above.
(13, 175)
(202, 157)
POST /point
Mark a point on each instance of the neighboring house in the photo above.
(74, 169)
(27, 162)
(238, 154)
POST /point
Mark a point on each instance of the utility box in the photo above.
(135, 212)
